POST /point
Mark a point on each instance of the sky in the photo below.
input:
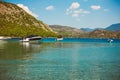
(74, 13)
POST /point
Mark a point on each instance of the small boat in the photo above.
(110, 40)
(31, 38)
(59, 38)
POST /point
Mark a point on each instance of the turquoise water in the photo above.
(100, 40)
(59, 61)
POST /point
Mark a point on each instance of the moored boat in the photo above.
(31, 38)
(59, 38)
(110, 40)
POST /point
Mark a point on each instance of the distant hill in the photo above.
(113, 31)
(104, 34)
(67, 31)
(90, 30)
(114, 27)
(16, 22)
(87, 29)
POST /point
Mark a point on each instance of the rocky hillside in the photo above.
(104, 34)
(16, 22)
(67, 31)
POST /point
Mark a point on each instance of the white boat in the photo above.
(59, 39)
(31, 38)
(110, 40)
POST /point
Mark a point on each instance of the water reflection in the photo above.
(14, 59)
(2, 44)
(59, 61)
(16, 50)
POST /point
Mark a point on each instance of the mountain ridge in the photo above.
(67, 31)
(14, 21)
(113, 27)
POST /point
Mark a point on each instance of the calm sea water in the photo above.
(59, 60)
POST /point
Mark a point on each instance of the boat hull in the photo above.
(31, 39)
(59, 39)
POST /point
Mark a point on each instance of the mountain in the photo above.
(87, 29)
(67, 31)
(90, 30)
(113, 27)
(104, 34)
(16, 22)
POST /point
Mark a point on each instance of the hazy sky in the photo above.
(74, 13)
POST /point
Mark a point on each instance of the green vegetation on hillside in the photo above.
(15, 30)
(15, 22)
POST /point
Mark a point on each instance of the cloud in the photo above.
(81, 11)
(95, 7)
(75, 11)
(49, 8)
(68, 11)
(74, 5)
(27, 10)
